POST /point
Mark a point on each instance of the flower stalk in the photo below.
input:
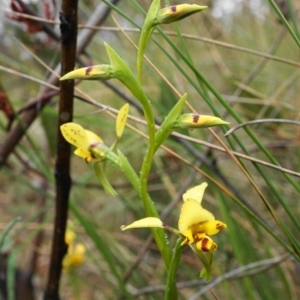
(195, 224)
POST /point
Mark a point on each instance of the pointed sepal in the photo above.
(149, 222)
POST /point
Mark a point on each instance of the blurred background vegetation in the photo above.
(250, 59)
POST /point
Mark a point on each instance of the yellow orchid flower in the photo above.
(81, 138)
(86, 140)
(75, 255)
(195, 223)
(91, 148)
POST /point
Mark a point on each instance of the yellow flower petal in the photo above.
(73, 260)
(192, 213)
(74, 257)
(146, 222)
(92, 137)
(85, 154)
(121, 120)
(70, 236)
(212, 227)
(79, 248)
(75, 135)
(195, 193)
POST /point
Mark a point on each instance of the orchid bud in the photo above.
(175, 13)
(98, 72)
(193, 120)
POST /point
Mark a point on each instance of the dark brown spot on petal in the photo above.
(204, 245)
(196, 118)
(88, 70)
(173, 8)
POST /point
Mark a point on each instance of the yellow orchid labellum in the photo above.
(81, 138)
(193, 120)
(175, 13)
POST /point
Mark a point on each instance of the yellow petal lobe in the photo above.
(212, 227)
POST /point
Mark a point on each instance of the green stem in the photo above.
(124, 74)
(122, 163)
(171, 289)
(284, 21)
(145, 36)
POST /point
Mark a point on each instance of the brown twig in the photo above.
(68, 28)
